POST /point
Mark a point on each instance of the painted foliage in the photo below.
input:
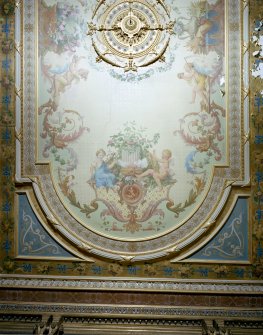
(9, 263)
(132, 153)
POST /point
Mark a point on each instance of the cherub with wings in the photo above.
(161, 168)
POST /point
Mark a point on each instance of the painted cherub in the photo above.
(198, 80)
(162, 169)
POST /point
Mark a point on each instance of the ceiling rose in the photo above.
(131, 34)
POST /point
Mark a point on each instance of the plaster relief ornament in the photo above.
(131, 34)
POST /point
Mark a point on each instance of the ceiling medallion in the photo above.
(130, 34)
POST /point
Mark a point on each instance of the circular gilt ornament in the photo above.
(131, 34)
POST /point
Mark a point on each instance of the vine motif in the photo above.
(230, 243)
(33, 240)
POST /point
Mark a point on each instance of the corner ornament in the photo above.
(130, 34)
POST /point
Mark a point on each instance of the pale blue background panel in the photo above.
(231, 242)
(33, 239)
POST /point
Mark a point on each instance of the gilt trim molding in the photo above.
(89, 283)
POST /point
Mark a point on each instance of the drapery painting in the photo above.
(132, 121)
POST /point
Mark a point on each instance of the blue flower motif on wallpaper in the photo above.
(231, 242)
(33, 239)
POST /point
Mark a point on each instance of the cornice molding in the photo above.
(124, 284)
(122, 310)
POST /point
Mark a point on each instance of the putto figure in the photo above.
(162, 167)
(102, 175)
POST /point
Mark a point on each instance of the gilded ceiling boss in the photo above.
(131, 34)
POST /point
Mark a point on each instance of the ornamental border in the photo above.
(68, 228)
(125, 284)
(127, 311)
